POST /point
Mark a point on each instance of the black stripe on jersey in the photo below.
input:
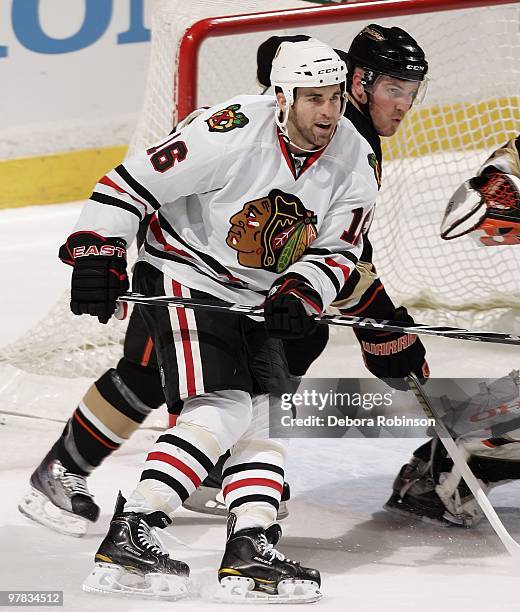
(367, 253)
(207, 259)
(198, 455)
(167, 480)
(254, 498)
(137, 187)
(171, 257)
(324, 268)
(349, 286)
(258, 465)
(103, 198)
(325, 252)
(179, 259)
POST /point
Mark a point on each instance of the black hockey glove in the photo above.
(390, 355)
(99, 276)
(290, 308)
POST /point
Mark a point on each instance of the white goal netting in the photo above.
(472, 106)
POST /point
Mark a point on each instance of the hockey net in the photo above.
(472, 106)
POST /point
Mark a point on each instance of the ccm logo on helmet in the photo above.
(411, 67)
(327, 70)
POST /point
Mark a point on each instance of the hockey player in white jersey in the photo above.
(235, 218)
(487, 209)
(386, 76)
(119, 401)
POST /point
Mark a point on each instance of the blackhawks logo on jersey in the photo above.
(374, 163)
(272, 232)
(227, 119)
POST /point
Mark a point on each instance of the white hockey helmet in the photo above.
(306, 63)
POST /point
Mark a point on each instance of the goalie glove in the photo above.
(390, 355)
(290, 308)
(99, 276)
(486, 207)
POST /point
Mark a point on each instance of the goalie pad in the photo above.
(486, 428)
(487, 208)
(488, 423)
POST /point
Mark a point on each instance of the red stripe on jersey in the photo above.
(186, 342)
(176, 463)
(362, 308)
(334, 264)
(307, 300)
(310, 159)
(252, 482)
(110, 183)
(159, 236)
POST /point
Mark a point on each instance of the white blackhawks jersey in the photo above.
(231, 210)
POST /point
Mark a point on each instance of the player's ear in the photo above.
(282, 101)
(358, 89)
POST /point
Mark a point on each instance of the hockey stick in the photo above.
(339, 320)
(512, 547)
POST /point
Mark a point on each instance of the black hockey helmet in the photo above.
(390, 51)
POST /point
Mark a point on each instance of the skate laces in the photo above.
(74, 484)
(149, 539)
(267, 549)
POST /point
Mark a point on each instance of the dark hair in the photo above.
(265, 55)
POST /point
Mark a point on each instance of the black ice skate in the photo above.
(59, 499)
(208, 498)
(132, 561)
(252, 569)
(414, 494)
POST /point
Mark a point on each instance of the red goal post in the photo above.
(187, 66)
(472, 106)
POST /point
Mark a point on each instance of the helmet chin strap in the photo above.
(282, 119)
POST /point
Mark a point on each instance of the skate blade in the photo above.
(408, 514)
(208, 500)
(39, 508)
(239, 589)
(111, 579)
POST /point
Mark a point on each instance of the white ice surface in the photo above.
(370, 561)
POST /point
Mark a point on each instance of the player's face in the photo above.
(389, 102)
(314, 116)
